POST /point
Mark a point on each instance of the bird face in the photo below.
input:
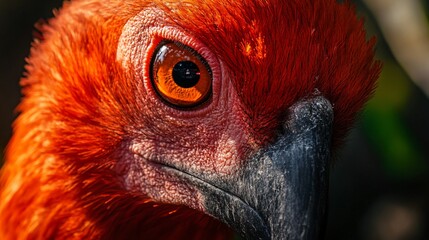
(230, 108)
(204, 154)
(214, 129)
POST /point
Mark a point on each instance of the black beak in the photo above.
(281, 192)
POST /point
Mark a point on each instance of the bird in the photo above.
(190, 119)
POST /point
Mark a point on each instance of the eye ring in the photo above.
(180, 76)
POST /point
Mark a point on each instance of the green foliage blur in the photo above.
(400, 152)
(380, 185)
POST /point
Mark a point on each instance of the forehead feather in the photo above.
(278, 52)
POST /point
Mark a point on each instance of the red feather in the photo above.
(308, 46)
(61, 179)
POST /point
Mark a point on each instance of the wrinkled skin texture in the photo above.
(86, 157)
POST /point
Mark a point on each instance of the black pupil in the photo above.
(186, 74)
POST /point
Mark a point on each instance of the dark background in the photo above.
(379, 186)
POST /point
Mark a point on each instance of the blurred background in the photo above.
(380, 184)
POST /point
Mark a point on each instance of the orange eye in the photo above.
(180, 75)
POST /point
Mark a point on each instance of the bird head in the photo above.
(148, 115)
